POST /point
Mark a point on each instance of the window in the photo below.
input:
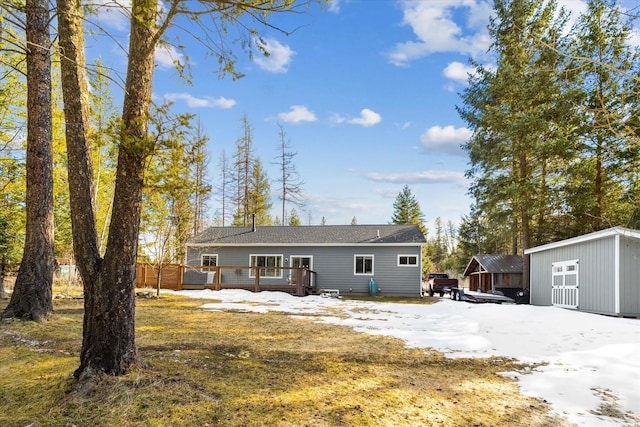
(266, 261)
(209, 260)
(363, 264)
(407, 260)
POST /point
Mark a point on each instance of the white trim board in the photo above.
(615, 231)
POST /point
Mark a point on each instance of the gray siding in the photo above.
(334, 266)
(629, 276)
(540, 278)
(596, 274)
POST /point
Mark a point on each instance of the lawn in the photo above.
(246, 369)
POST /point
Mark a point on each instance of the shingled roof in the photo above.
(494, 264)
(325, 235)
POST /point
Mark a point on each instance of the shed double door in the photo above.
(566, 285)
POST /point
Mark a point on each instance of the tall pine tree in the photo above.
(406, 210)
(290, 181)
(513, 111)
(243, 162)
(32, 294)
(259, 203)
(599, 182)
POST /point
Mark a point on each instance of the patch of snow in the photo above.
(590, 359)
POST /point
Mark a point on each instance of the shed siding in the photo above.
(629, 276)
(540, 278)
(334, 266)
(596, 274)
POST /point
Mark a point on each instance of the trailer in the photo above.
(459, 294)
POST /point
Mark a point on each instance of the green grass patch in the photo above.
(245, 369)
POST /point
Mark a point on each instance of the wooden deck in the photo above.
(293, 280)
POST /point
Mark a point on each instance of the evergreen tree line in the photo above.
(555, 150)
(176, 189)
(177, 184)
(244, 188)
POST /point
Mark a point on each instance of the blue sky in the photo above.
(366, 91)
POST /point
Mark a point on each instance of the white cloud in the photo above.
(458, 71)
(575, 7)
(345, 208)
(334, 6)
(367, 118)
(204, 102)
(113, 14)
(298, 114)
(422, 177)
(436, 30)
(580, 7)
(166, 56)
(336, 119)
(446, 140)
(279, 56)
(634, 40)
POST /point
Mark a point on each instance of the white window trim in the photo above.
(301, 256)
(202, 261)
(279, 268)
(408, 256)
(373, 264)
(563, 264)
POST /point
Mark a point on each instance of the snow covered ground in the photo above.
(593, 361)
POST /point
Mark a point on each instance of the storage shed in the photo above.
(489, 273)
(597, 272)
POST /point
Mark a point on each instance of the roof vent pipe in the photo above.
(378, 233)
(253, 222)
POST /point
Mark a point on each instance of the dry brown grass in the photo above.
(247, 369)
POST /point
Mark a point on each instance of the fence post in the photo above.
(256, 287)
(299, 284)
(180, 273)
(218, 274)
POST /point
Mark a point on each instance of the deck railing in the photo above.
(295, 280)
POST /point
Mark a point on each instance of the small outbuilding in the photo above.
(490, 273)
(597, 272)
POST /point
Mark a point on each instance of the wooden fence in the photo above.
(147, 276)
(295, 280)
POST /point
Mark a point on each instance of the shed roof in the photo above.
(495, 264)
(620, 231)
(317, 235)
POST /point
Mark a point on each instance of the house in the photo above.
(343, 258)
(490, 273)
(597, 272)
